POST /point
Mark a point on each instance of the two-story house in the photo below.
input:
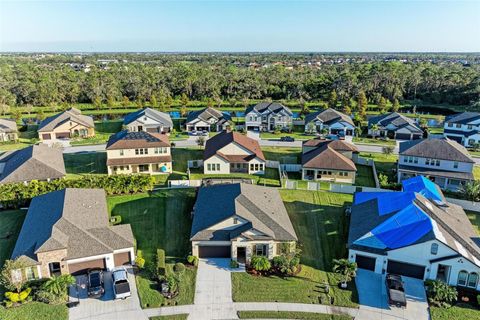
(149, 120)
(268, 116)
(414, 233)
(208, 119)
(443, 161)
(229, 152)
(393, 125)
(238, 221)
(463, 127)
(8, 130)
(65, 125)
(138, 152)
(332, 120)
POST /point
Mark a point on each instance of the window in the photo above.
(434, 248)
(29, 273)
(235, 220)
(405, 159)
(427, 161)
(450, 124)
(471, 142)
(458, 125)
(209, 167)
(261, 166)
(472, 280)
(143, 168)
(261, 249)
(141, 151)
(121, 152)
(469, 127)
(218, 166)
(455, 165)
(415, 160)
(437, 163)
(462, 278)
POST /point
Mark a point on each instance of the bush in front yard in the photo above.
(193, 260)
(179, 268)
(440, 294)
(260, 263)
(139, 260)
(161, 262)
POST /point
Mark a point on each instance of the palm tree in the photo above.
(374, 128)
(59, 285)
(472, 190)
(346, 269)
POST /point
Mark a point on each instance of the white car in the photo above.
(121, 287)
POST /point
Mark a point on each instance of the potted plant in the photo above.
(346, 269)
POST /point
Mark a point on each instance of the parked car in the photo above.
(395, 290)
(193, 133)
(287, 139)
(95, 283)
(332, 137)
(204, 133)
(121, 287)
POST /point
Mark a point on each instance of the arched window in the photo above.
(462, 278)
(472, 280)
(434, 248)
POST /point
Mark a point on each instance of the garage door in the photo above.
(364, 262)
(458, 139)
(62, 135)
(214, 251)
(82, 267)
(405, 269)
(403, 136)
(46, 136)
(121, 259)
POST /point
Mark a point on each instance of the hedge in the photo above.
(14, 195)
(161, 262)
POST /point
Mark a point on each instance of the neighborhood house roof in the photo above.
(38, 162)
(273, 107)
(463, 118)
(383, 221)
(71, 219)
(442, 148)
(7, 125)
(161, 117)
(72, 114)
(261, 207)
(141, 139)
(222, 139)
(328, 116)
(338, 145)
(207, 115)
(326, 156)
(395, 119)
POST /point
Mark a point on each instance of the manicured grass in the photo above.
(270, 178)
(20, 144)
(435, 130)
(282, 154)
(10, 224)
(174, 317)
(289, 315)
(374, 141)
(383, 163)
(474, 219)
(456, 312)
(35, 310)
(364, 176)
(99, 138)
(86, 163)
(476, 172)
(180, 156)
(321, 226)
(108, 126)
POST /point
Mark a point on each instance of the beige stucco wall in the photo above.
(130, 153)
(133, 168)
(224, 165)
(68, 126)
(334, 177)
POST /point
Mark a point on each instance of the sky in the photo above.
(240, 26)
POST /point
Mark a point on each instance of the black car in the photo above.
(95, 283)
(395, 290)
(287, 139)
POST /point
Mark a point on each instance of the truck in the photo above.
(395, 291)
(121, 287)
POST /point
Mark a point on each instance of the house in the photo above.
(463, 127)
(8, 130)
(443, 161)
(394, 126)
(208, 119)
(138, 152)
(38, 162)
(149, 120)
(68, 124)
(414, 233)
(329, 160)
(67, 232)
(239, 221)
(268, 116)
(332, 120)
(230, 152)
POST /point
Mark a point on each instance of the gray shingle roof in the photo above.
(328, 117)
(398, 120)
(442, 148)
(7, 125)
(38, 162)
(261, 206)
(464, 117)
(274, 107)
(208, 113)
(161, 117)
(325, 157)
(72, 114)
(71, 219)
(222, 139)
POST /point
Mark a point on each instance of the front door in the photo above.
(443, 273)
(241, 254)
(54, 268)
(140, 128)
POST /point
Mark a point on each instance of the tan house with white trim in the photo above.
(66, 125)
(8, 130)
(138, 152)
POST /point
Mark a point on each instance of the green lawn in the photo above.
(476, 172)
(282, 154)
(174, 317)
(374, 141)
(20, 144)
(320, 223)
(383, 163)
(456, 312)
(435, 130)
(86, 163)
(289, 315)
(10, 224)
(364, 176)
(99, 138)
(474, 219)
(270, 178)
(180, 156)
(35, 311)
(159, 220)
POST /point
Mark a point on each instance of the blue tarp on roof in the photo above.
(425, 187)
(388, 202)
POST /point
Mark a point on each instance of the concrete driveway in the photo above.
(373, 298)
(105, 308)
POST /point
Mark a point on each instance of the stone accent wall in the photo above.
(52, 256)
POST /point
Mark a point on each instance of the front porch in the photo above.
(328, 175)
(148, 168)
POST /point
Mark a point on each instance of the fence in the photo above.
(298, 122)
(346, 188)
(291, 167)
(194, 164)
(272, 164)
(465, 204)
(371, 163)
(184, 183)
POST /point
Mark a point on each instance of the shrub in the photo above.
(161, 262)
(179, 268)
(18, 297)
(345, 268)
(116, 220)
(440, 293)
(281, 263)
(193, 260)
(139, 260)
(234, 264)
(260, 263)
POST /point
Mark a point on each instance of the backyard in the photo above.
(85, 163)
(10, 224)
(383, 163)
(321, 225)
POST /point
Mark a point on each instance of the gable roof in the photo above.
(273, 107)
(261, 207)
(220, 140)
(396, 119)
(7, 125)
(72, 114)
(325, 157)
(328, 117)
(208, 113)
(463, 118)
(161, 117)
(71, 219)
(437, 148)
(141, 139)
(38, 162)
(338, 145)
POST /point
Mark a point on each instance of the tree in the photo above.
(332, 99)
(11, 276)
(396, 105)
(183, 111)
(260, 263)
(471, 190)
(40, 115)
(382, 105)
(383, 180)
(110, 102)
(16, 114)
(154, 102)
(311, 128)
(200, 141)
(362, 105)
(387, 150)
(346, 269)
(126, 101)
(97, 102)
(184, 100)
(374, 129)
(58, 285)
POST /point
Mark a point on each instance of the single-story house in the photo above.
(334, 121)
(67, 232)
(65, 125)
(239, 221)
(208, 119)
(149, 120)
(393, 125)
(8, 130)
